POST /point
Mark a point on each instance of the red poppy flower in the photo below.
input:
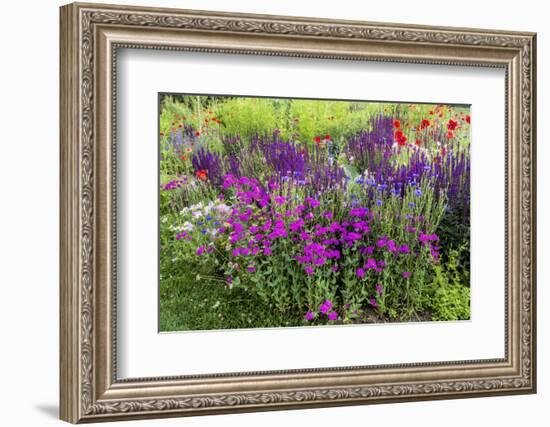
(452, 125)
(397, 124)
(197, 133)
(424, 124)
(468, 119)
(327, 137)
(431, 112)
(317, 139)
(450, 135)
(417, 142)
(202, 174)
(400, 137)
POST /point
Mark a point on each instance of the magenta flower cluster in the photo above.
(264, 222)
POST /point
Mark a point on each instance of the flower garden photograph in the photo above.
(290, 212)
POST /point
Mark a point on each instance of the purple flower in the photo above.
(379, 289)
(406, 274)
(280, 200)
(373, 302)
(404, 249)
(333, 315)
(371, 263)
(229, 279)
(382, 242)
(309, 270)
(351, 236)
(251, 269)
(326, 306)
(304, 236)
(310, 315)
(359, 212)
(312, 202)
(360, 273)
(200, 250)
(267, 251)
(297, 225)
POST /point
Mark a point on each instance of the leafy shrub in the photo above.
(450, 299)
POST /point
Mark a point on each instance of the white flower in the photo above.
(187, 226)
(196, 207)
(223, 208)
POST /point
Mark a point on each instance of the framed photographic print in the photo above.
(267, 212)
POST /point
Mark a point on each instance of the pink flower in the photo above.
(310, 316)
(406, 274)
(333, 315)
(309, 270)
(360, 273)
(200, 250)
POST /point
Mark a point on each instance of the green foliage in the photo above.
(450, 291)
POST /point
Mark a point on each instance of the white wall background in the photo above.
(29, 170)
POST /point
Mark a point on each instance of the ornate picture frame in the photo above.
(90, 37)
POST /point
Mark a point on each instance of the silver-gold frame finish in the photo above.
(89, 39)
